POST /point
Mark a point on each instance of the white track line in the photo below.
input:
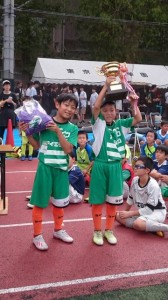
(22, 192)
(46, 222)
(19, 192)
(70, 282)
(82, 281)
(13, 172)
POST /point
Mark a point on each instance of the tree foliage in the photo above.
(127, 30)
(34, 31)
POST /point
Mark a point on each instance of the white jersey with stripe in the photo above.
(147, 198)
(109, 143)
(51, 152)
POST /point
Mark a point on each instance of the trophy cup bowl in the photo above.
(117, 90)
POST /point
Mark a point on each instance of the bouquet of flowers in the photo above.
(32, 113)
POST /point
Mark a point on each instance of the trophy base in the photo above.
(117, 92)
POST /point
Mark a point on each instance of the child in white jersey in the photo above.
(54, 144)
(106, 184)
(145, 194)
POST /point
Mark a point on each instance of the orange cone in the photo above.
(9, 135)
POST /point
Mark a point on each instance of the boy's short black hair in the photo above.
(108, 101)
(163, 122)
(152, 131)
(83, 132)
(148, 162)
(67, 97)
(162, 148)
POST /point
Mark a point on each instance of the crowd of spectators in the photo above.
(151, 99)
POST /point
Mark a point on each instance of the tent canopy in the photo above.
(58, 71)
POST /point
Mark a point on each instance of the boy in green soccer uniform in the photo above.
(109, 148)
(54, 144)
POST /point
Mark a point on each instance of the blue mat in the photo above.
(17, 138)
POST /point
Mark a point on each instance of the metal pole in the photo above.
(8, 39)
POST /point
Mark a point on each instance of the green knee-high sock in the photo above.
(23, 148)
(30, 150)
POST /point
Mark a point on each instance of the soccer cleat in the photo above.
(86, 199)
(30, 205)
(63, 235)
(98, 238)
(40, 243)
(111, 239)
(30, 158)
(28, 197)
(160, 233)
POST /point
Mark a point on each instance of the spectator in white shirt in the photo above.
(166, 105)
(83, 104)
(93, 98)
(77, 112)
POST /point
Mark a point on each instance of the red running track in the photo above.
(82, 268)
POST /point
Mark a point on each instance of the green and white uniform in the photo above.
(109, 148)
(52, 172)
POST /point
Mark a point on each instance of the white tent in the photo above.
(71, 71)
(149, 75)
(49, 70)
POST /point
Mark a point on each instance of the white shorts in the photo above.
(74, 196)
(158, 215)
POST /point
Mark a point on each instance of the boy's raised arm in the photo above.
(137, 115)
(100, 98)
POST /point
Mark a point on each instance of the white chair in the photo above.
(155, 119)
(144, 122)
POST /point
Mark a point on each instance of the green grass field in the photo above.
(157, 292)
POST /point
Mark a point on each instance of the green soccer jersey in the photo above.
(109, 144)
(51, 152)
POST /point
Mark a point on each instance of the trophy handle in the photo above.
(99, 71)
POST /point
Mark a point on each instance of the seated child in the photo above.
(149, 148)
(130, 137)
(76, 181)
(160, 164)
(24, 145)
(145, 194)
(84, 155)
(162, 133)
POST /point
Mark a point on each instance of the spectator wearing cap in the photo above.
(8, 102)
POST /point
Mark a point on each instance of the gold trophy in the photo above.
(117, 89)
